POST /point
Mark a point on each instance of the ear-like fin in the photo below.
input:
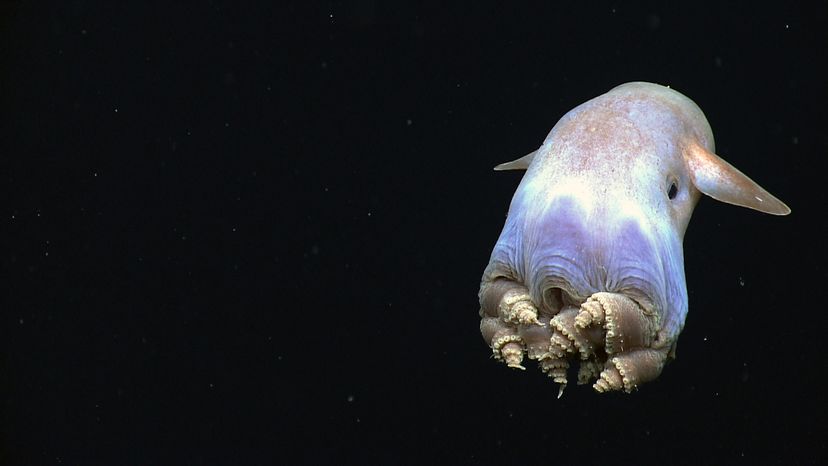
(723, 182)
(519, 164)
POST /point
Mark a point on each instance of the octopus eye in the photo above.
(672, 191)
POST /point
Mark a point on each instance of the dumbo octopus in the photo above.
(589, 265)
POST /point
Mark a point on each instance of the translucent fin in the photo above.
(519, 164)
(723, 182)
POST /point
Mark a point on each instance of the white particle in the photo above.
(116, 109)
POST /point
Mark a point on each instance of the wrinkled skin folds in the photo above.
(588, 270)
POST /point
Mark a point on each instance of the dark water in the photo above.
(253, 234)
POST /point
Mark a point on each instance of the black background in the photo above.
(253, 233)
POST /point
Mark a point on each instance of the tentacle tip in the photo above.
(561, 390)
(583, 319)
(515, 365)
(530, 320)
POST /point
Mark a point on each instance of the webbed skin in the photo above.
(589, 264)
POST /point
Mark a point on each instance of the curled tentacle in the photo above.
(516, 307)
(507, 346)
(628, 370)
(509, 300)
(627, 325)
(564, 324)
(556, 369)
